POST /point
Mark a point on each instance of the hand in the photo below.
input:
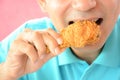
(28, 51)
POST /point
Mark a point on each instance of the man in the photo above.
(23, 53)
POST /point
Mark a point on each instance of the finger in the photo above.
(25, 48)
(25, 35)
(50, 42)
(43, 59)
(56, 35)
(35, 38)
(38, 42)
(59, 50)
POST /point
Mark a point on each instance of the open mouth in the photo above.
(98, 21)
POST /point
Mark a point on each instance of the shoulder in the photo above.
(117, 27)
(118, 21)
(39, 23)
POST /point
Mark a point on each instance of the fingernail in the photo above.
(59, 40)
(57, 50)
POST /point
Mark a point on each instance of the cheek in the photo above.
(113, 6)
(56, 11)
(110, 14)
(55, 7)
(111, 10)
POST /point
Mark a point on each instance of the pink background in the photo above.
(13, 13)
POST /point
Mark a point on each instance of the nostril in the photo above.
(71, 22)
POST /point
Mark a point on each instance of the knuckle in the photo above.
(15, 43)
(36, 34)
(42, 51)
(45, 34)
(29, 48)
(49, 29)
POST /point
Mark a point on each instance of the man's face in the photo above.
(104, 12)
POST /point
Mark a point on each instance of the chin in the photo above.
(91, 47)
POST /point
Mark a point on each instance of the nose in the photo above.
(83, 5)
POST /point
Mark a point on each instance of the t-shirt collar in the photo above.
(67, 57)
(109, 56)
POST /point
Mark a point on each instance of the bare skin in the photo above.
(26, 55)
(27, 51)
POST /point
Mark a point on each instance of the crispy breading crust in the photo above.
(80, 34)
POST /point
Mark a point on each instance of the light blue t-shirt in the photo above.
(67, 66)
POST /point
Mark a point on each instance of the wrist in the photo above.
(5, 74)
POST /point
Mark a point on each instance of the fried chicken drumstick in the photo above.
(80, 34)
